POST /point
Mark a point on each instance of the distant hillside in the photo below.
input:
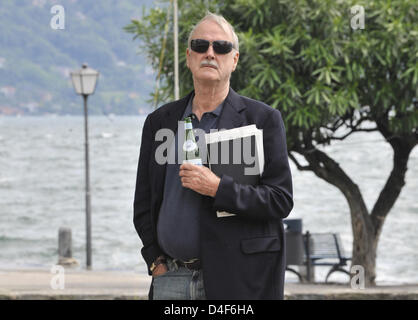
(35, 60)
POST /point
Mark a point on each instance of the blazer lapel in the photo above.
(231, 116)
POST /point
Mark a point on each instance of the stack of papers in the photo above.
(238, 153)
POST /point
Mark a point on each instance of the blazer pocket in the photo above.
(261, 244)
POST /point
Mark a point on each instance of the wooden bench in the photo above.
(319, 249)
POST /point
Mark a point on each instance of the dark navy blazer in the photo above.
(242, 256)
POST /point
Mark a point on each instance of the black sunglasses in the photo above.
(219, 46)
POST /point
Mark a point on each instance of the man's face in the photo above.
(225, 64)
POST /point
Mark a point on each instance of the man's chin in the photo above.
(208, 77)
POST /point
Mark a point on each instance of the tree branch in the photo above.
(298, 165)
(329, 170)
(351, 132)
(394, 184)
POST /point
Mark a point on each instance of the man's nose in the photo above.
(210, 54)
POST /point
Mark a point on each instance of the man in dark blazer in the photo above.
(190, 251)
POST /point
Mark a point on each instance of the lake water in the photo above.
(42, 189)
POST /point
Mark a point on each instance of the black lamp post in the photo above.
(84, 82)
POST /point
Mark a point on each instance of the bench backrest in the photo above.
(325, 246)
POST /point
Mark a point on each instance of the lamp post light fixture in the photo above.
(84, 82)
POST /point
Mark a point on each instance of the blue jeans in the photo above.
(179, 283)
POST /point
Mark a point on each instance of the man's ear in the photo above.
(236, 58)
(187, 57)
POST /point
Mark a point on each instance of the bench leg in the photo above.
(335, 268)
(295, 272)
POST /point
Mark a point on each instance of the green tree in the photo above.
(328, 80)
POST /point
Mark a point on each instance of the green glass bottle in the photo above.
(191, 152)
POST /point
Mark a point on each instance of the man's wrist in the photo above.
(215, 187)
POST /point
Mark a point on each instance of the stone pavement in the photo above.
(36, 284)
(82, 285)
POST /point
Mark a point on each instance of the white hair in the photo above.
(221, 21)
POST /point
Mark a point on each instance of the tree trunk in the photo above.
(364, 248)
(366, 227)
(364, 252)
